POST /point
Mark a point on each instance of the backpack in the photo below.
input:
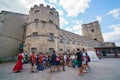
(57, 59)
(88, 59)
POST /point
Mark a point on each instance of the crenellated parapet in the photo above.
(43, 13)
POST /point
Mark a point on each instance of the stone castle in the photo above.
(40, 32)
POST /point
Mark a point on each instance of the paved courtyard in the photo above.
(105, 69)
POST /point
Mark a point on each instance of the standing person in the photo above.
(23, 54)
(53, 62)
(37, 62)
(65, 59)
(79, 59)
(63, 62)
(23, 60)
(58, 62)
(32, 60)
(19, 64)
(84, 59)
(41, 62)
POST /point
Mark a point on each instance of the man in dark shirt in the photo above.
(53, 61)
(79, 59)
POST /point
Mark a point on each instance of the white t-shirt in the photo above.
(84, 55)
(65, 57)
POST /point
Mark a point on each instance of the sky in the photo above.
(74, 13)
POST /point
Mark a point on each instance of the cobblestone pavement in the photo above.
(105, 69)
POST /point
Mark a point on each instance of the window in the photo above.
(92, 30)
(51, 50)
(61, 39)
(50, 21)
(95, 39)
(36, 11)
(51, 36)
(36, 20)
(35, 33)
(51, 13)
(34, 49)
(60, 49)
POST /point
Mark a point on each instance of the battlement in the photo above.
(42, 6)
(43, 13)
(90, 24)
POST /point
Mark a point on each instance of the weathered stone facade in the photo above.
(92, 30)
(40, 31)
(11, 33)
(43, 33)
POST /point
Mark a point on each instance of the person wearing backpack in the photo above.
(79, 60)
(53, 61)
(58, 62)
(40, 62)
(32, 60)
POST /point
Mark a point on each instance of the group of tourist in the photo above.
(55, 61)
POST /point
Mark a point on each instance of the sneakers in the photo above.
(32, 71)
(40, 71)
(85, 71)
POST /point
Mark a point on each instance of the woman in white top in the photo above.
(84, 60)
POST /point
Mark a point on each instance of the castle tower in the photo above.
(41, 31)
(92, 31)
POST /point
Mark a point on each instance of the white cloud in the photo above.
(77, 22)
(21, 6)
(77, 28)
(53, 1)
(60, 12)
(113, 36)
(30, 3)
(74, 7)
(98, 18)
(68, 29)
(63, 22)
(14, 6)
(115, 13)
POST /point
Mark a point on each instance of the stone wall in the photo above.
(11, 33)
(92, 30)
(45, 20)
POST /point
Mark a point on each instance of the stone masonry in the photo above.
(40, 31)
(44, 34)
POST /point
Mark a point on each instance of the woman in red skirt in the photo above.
(19, 64)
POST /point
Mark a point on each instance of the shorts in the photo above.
(57, 63)
(83, 62)
(79, 64)
(32, 64)
(53, 63)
